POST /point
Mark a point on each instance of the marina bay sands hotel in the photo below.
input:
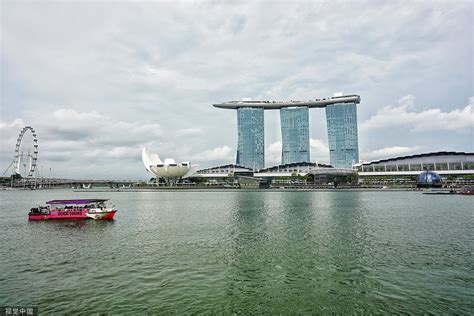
(341, 118)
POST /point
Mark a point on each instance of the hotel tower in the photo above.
(341, 119)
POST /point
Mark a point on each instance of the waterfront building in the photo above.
(453, 167)
(307, 174)
(251, 138)
(224, 171)
(443, 162)
(341, 119)
(230, 175)
(289, 169)
(251, 183)
(341, 115)
(280, 175)
(294, 134)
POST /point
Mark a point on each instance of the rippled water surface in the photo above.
(242, 252)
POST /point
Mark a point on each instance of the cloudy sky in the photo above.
(99, 80)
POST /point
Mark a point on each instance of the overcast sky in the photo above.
(100, 80)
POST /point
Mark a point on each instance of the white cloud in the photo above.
(319, 151)
(457, 120)
(273, 154)
(389, 152)
(11, 128)
(223, 153)
(9, 132)
(17, 124)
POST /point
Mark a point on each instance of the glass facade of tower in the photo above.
(250, 146)
(341, 121)
(294, 134)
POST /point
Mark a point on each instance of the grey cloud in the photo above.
(62, 156)
(237, 23)
(154, 69)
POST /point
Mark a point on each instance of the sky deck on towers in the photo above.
(276, 105)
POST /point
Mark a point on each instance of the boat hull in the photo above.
(71, 215)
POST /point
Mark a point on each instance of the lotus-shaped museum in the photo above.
(169, 168)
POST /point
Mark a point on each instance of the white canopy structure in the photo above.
(169, 168)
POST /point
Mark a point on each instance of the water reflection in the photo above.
(348, 245)
(346, 226)
(57, 234)
(298, 246)
(249, 247)
(310, 245)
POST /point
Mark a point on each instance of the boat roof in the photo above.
(83, 201)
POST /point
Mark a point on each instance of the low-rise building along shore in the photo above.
(453, 167)
(443, 162)
(301, 173)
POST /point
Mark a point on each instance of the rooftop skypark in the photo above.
(276, 105)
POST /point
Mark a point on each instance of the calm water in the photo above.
(243, 252)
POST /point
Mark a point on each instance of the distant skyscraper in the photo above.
(342, 134)
(251, 145)
(294, 134)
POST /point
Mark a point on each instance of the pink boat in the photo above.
(72, 209)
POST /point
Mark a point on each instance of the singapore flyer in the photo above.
(26, 153)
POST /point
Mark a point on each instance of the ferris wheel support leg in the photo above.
(11, 163)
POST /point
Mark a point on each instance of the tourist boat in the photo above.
(72, 209)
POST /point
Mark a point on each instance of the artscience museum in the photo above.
(167, 169)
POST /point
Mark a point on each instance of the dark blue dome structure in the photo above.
(429, 179)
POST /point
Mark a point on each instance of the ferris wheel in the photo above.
(26, 153)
